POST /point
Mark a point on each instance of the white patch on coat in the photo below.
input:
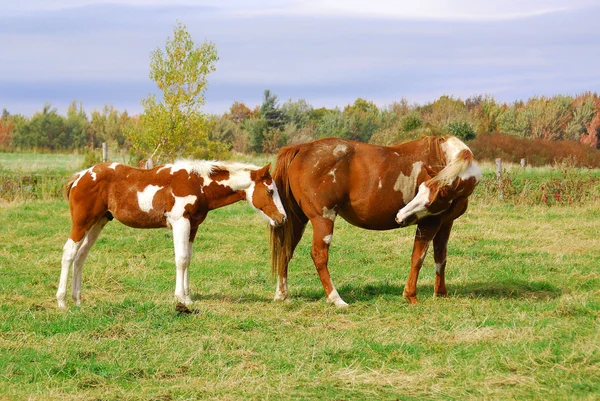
(179, 207)
(82, 173)
(113, 165)
(407, 184)
(329, 213)
(380, 185)
(332, 173)
(340, 150)
(146, 197)
(327, 239)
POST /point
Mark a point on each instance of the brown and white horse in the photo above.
(424, 182)
(178, 196)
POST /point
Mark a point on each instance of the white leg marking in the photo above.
(438, 268)
(146, 197)
(181, 242)
(327, 239)
(281, 291)
(335, 298)
(186, 282)
(69, 252)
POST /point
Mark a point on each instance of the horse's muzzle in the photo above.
(407, 221)
(278, 220)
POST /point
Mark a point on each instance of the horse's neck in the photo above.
(224, 199)
(221, 194)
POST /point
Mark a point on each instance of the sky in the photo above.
(327, 52)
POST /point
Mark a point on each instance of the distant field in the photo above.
(41, 162)
(521, 321)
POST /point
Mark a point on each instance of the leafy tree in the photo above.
(256, 127)
(238, 112)
(333, 123)
(363, 120)
(297, 113)
(40, 131)
(462, 130)
(175, 125)
(74, 134)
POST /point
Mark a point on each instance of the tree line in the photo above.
(271, 125)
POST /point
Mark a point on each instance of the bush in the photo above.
(462, 130)
(537, 152)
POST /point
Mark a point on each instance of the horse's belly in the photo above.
(371, 220)
(140, 219)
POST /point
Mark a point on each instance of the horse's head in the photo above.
(263, 196)
(435, 195)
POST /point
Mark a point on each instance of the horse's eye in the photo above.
(270, 192)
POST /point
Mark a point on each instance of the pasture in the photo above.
(521, 322)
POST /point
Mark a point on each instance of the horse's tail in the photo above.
(282, 236)
(69, 185)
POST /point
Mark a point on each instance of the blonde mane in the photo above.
(459, 159)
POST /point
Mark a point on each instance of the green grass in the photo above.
(521, 322)
(41, 162)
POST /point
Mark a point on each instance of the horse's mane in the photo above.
(458, 159)
(207, 167)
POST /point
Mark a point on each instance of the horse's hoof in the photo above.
(337, 301)
(62, 305)
(281, 298)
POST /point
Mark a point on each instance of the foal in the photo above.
(177, 196)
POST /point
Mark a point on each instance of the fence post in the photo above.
(104, 152)
(523, 163)
(499, 178)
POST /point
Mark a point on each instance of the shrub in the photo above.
(537, 152)
(462, 130)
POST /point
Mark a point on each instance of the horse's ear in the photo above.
(263, 172)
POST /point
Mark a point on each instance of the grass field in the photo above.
(522, 320)
(40, 162)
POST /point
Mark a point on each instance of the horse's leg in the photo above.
(79, 229)
(88, 241)
(181, 242)
(186, 283)
(69, 253)
(440, 249)
(298, 226)
(424, 235)
(322, 233)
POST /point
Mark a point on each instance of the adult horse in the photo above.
(424, 182)
(178, 196)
